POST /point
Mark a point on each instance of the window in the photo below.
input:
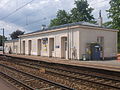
(100, 40)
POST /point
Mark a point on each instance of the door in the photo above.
(64, 47)
(51, 47)
(29, 47)
(23, 47)
(96, 52)
(39, 47)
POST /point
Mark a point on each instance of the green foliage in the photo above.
(62, 18)
(15, 34)
(114, 15)
(82, 12)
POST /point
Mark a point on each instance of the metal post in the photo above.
(68, 40)
(3, 40)
(20, 44)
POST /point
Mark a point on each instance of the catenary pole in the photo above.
(3, 40)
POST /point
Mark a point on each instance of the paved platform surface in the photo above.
(109, 65)
(6, 86)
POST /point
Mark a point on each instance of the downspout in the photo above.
(68, 40)
(70, 45)
(20, 45)
(55, 46)
(103, 49)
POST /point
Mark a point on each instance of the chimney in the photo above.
(100, 20)
(43, 27)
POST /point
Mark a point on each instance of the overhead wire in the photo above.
(33, 21)
(16, 10)
(34, 25)
(38, 20)
(31, 13)
(22, 18)
(45, 18)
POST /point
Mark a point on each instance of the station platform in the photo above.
(113, 65)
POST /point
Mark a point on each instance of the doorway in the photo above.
(95, 51)
(39, 47)
(29, 47)
(64, 47)
(51, 47)
(23, 47)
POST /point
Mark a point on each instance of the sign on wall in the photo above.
(44, 43)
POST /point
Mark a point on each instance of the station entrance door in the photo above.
(29, 47)
(23, 47)
(51, 47)
(64, 47)
(39, 47)
(95, 52)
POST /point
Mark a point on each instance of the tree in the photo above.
(15, 34)
(82, 12)
(62, 18)
(114, 15)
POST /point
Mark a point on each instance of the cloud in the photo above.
(38, 10)
(9, 28)
(98, 5)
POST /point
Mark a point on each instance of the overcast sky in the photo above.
(32, 16)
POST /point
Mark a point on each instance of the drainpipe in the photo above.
(20, 45)
(55, 46)
(68, 40)
(103, 49)
(72, 44)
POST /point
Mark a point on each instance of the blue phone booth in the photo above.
(95, 51)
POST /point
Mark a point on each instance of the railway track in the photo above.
(16, 83)
(101, 82)
(29, 81)
(46, 64)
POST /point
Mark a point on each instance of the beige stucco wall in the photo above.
(57, 42)
(90, 35)
(78, 37)
(14, 45)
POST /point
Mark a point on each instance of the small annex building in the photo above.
(79, 40)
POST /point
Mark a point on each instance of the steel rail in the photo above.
(39, 78)
(112, 86)
(87, 75)
(37, 68)
(15, 80)
(86, 80)
(95, 76)
(117, 73)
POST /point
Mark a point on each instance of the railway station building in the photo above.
(79, 40)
